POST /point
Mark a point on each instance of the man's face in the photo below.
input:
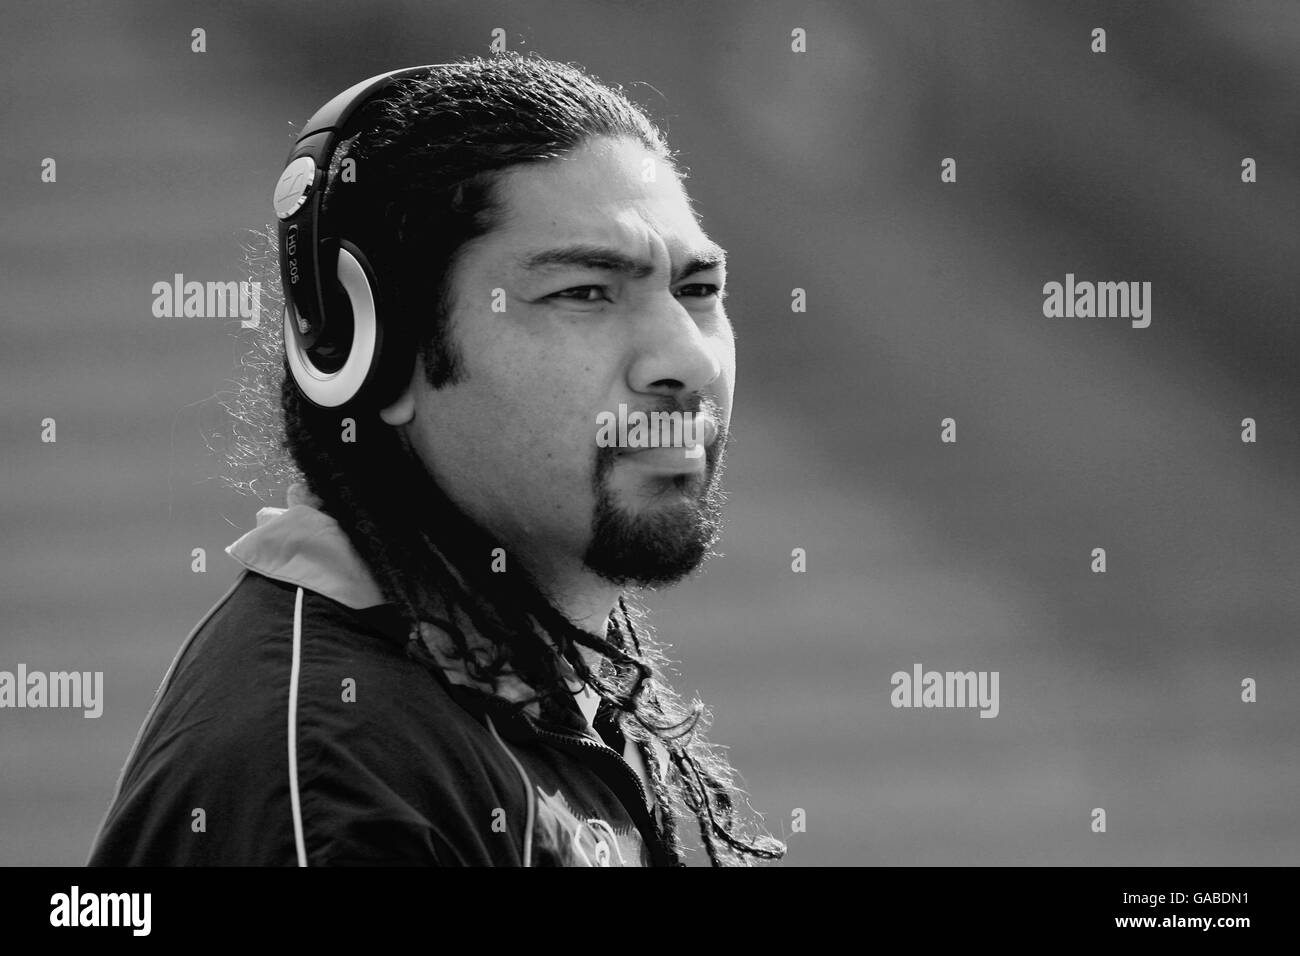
(605, 294)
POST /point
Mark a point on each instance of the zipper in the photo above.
(649, 833)
(585, 741)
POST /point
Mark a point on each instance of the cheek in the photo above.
(726, 384)
(533, 388)
(509, 456)
(553, 388)
(531, 421)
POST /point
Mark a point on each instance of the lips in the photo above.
(666, 461)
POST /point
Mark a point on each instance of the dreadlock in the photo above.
(431, 151)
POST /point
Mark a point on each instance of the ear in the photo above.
(402, 410)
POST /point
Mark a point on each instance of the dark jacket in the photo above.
(293, 728)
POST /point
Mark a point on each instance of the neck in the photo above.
(583, 598)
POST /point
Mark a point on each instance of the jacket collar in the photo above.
(304, 546)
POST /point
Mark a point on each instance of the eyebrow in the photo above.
(611, 260)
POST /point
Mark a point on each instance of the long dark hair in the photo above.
(427, 160)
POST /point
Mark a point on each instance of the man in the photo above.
(429, 658)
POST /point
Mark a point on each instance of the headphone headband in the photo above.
(309, 258)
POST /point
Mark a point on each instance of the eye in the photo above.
(702, 290)
(581, 291)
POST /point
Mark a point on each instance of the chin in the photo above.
(653, 544)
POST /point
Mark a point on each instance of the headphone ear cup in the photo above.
(394, 360)
(349, 381)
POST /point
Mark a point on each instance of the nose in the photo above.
(673, 357)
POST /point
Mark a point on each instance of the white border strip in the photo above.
(299, 843)
(528, 794)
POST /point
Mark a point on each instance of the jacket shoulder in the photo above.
(290, 729)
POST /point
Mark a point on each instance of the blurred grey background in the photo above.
(817, 170)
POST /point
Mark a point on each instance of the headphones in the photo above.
(334, 338)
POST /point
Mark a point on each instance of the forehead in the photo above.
(608, 191)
